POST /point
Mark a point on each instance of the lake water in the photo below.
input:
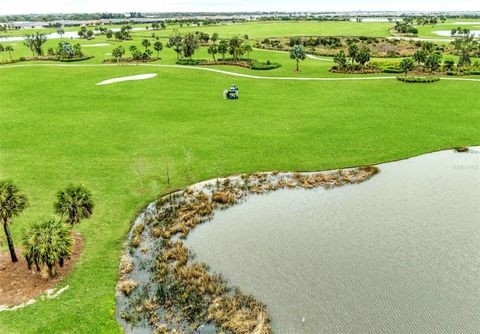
(448, 33)
(399, 253)
(66, 35)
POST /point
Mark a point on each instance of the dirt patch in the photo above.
(18, 284)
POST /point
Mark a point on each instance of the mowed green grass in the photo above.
(58, 127)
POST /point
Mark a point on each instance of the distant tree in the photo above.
(363, 56)
(448, 64)
(147, 54)
(132, 49)
(77, 50)
(118, 52)
(47, 243)
(12, 203)
(223, 48)
(190, 44)
(137, 54)
(407, 65)
(2, 48)
(352, 52)
(9, 49)
(35, 42)
(433, 61)
(89, 34)
(175, 42)
(214, 38)
(82, 33)
(235, 47)
(109, 34)
(65, 50)
(60, 32)
(297, 53)
(146, 44)
(295, 40)
(247, 48)
(419, 57)
(464, 44)
(118, 36)
(341, 59)
(158, 46)
(213, 50)
(74, 203)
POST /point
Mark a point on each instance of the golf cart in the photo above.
(232, 93)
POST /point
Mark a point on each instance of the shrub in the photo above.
(191, 61)
(127, 286)
(392, 70)
(418, 79)
(264, 66)
(461, 149)
(47, 243)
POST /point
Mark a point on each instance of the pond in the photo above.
(54, 35)
(399, 253)
(448, 33)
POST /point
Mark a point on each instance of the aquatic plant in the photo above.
(127, 286)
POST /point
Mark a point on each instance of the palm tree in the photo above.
(146, 43)
(12, 203)
(158, 46)
(47, 243)
(297, 53)
(74, 203)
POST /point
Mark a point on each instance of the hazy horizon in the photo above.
(122, 6)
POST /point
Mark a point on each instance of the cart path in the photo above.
(234, 74)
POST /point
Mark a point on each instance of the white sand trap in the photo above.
(93, 45)
(133, 77)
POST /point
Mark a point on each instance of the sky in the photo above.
(93, 6)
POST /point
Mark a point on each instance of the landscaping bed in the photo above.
(329, 46)
(129, 60)
(245, 63)
(45, 58)
(18, 284)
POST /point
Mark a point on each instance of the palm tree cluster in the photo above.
(47, 242)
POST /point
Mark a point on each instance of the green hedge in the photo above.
(191, 61)
(418, 79)
(392, 70)
(248, 63)
(264, 66)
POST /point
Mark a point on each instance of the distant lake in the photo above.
(448, 33)
(54, 35)
(399, 253)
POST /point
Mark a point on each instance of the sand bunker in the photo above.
(92, 45)
(133, 77)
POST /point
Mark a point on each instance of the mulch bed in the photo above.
(18, 284)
